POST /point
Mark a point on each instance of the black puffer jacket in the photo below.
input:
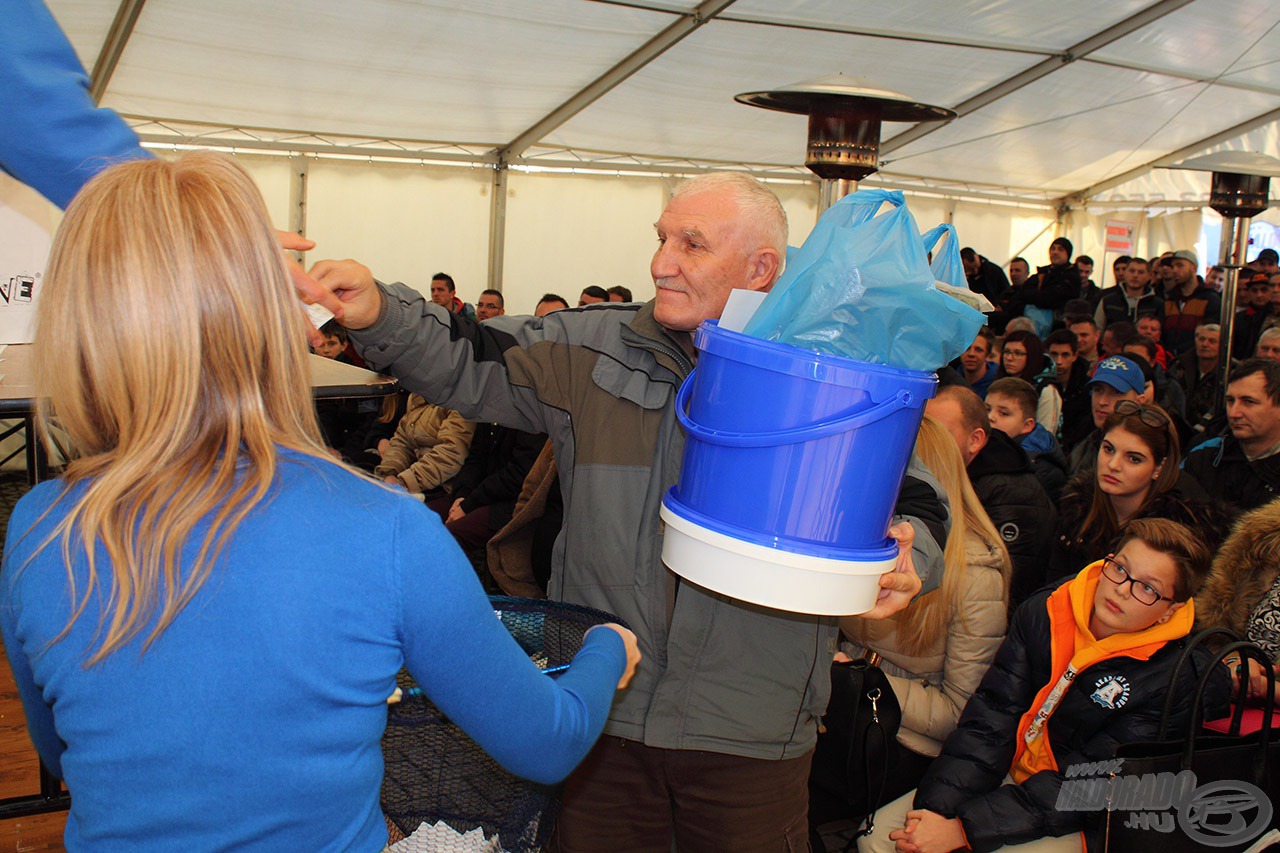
(965, 780)
(1222, 468)
(1186, 503)
(1020, 509)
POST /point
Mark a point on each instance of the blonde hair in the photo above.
(923, 623)
(761, 211)
(170, 347)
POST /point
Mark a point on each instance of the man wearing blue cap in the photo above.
(1117, 377)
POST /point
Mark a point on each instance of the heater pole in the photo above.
(1231, 250)
(831, 190)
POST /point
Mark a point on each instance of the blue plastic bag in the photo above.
(946, 264)
(861, 287)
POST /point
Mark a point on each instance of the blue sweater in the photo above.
(253, 722)
(52, 136)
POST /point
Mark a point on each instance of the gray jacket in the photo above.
(717, 675)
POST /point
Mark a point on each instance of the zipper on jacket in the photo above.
(657, 346)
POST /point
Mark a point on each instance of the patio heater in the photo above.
(845, 114)
(1239, 191)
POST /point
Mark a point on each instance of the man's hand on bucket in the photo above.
(899, 586)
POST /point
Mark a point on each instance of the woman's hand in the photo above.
(899, 586)
(630, 644)
(309, 291)
(929, 832)
(1257, 680)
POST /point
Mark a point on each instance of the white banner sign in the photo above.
(27, 223)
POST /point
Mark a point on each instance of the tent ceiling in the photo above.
(484, 72)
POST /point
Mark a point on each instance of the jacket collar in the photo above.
(669, 348)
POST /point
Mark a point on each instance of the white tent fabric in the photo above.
(399, 111)
(483, 72)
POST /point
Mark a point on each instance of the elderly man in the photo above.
(1269, 344)
(711, 744)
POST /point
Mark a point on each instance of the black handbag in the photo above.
(857, 746)
(1229, 803)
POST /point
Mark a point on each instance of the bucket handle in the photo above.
(794, 435)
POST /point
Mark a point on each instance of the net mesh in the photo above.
(434, 772)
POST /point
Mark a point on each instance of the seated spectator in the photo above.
(1019, 324)
(445, 294)
(1072, 378)
(548, 303)
(593, 295)
(1152, 326)
(490, 304)
(1019, 272)
(1215, 277)
(1011, 408)
(976, 367)
(936, 650)
(1187, 304)
(1089, 291)
(1086, 332)
(1132, 296)
(1023, 357)
(1197, 371)
(1243, 590)
(334, 343)
(1120, 377)
(1244, 466)
(1136, 475)
(1044, 705)
(205, 615)
(1005, 483)
(1267, 261)
(983, 276)
(618, 293)
(484, 492)
(519, 554)
(1169, 394)
(1252, 317)
(1117, 335)
(428, 448)
(1269, 345)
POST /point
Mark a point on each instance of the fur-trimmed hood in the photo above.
(1243, 570)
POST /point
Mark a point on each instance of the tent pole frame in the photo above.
(113, 47)
(1076, 52)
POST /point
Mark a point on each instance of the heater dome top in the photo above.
(840, 90)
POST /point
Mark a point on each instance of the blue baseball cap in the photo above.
(1122, 374)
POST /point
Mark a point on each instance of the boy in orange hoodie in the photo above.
(1084, 668)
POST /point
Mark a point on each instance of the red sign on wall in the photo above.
(1119, 237)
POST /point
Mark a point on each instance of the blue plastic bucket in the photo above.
(792, 449)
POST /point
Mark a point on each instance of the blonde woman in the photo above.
(937, 650)
(205, 614)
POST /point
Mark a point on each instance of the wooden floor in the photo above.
(19, 776)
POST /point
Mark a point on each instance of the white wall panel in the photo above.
(404, 222)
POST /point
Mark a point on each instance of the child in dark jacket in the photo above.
(1011, 406)
(1083, 669)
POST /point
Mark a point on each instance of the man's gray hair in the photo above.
(758, 205)
(1268, 334)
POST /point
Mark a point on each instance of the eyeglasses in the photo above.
(1150, 416)
(1142, 592)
